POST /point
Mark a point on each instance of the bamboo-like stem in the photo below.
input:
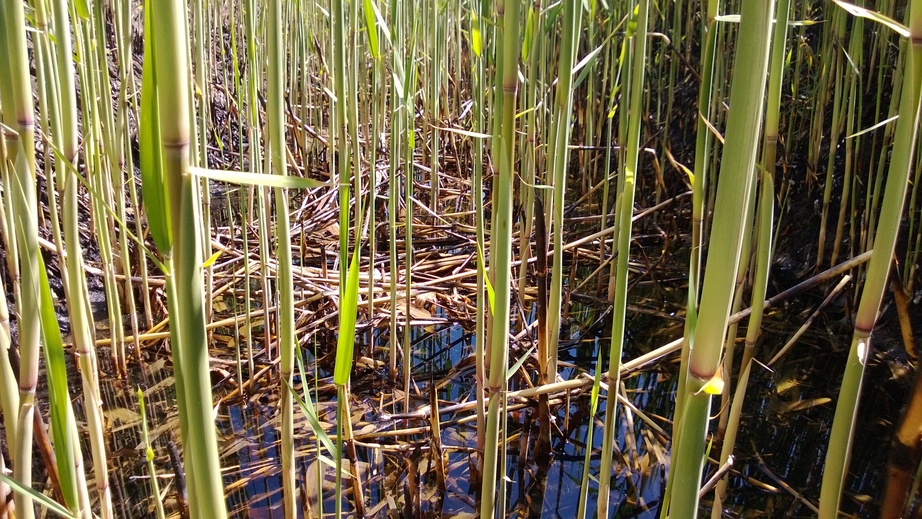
(638, 47)
(731, 205)
(478, 27)
(81, 318)
(501, 252)
(286, 304)
(18, 115)
(188, 312)
(888, 223)
(559, 153)
(703, 140)
(764, 221)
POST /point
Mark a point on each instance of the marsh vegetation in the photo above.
(460, 258)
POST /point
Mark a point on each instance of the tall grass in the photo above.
(473, 109)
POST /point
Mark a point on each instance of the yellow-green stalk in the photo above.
(559, 158)
(731, 205)
(187, 312)
(763, 231)
(279, 166)
(17, 115)
(507, 83)
(888, 223)
(638, 45)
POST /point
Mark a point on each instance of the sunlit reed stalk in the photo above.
(104, 173)
(397, 122)
(901, 164)
(248, 94)
(478, 81)
(501, 252)
(634, 93)
(734, 185)
(764, 221)
(587, 457)
(187, 313)
(9, 392)
(126, 185)
(703, 146)
(611, 83)
(558, 153)
(408, 111)
(877, 168)
(149, 456)
(200, 97)
(69, 459)
(703, 141)
(378, 93)
(81, 319)
(16, 94)
(342, 148)
(527, 140)
(437, 43)
(286, 300)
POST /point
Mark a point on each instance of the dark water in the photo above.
(787, 415)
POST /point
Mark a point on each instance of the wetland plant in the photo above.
(439, 131)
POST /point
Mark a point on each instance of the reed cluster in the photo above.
(323, 187)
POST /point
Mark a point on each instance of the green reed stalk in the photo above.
(478, 82)
(76, 292)
(501, 251)
(901, 163)
(409, 109)
(9, 392)
(378, 122)
(559, 153)
(703, 145)
(63, 428)
(764, 221)
(342, 152)
(835, 73)
(846, 206)
(149, 456)
(200, 95)
(638, 45)
(125, 183)
(396, 124)
(526, 142)
(436, 63)
(17, 115)
(731, 205)
(188, 318)
(286, 304)
(341, 146)
(105, 174)
(251, 104)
